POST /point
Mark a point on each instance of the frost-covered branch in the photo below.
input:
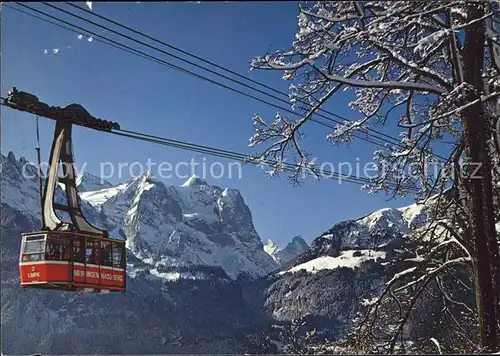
(386, 85)
(404, 66)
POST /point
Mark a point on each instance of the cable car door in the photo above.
(79, 259)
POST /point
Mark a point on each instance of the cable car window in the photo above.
(118, 255)
(33, 250)
(79, 249)
(92, 251)
(106, 253)
(35, 237)
(57, 249)
(33, 246)
(33, 257)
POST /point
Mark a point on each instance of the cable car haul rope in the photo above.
(77, 115)
(77, 256)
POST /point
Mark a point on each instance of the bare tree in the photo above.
(432, 68)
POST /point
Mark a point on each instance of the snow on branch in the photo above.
(344, 132)
(438, 346)
(386, 84)
(397, 276)
(404, 64)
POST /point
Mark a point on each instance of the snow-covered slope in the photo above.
(373, 231)
(349, 259)
(346, 267)
(293, 249)
(195, 224)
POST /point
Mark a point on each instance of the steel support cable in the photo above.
(397, 143)
(231, 155)
(394, 141)
(159, 61)
(227, 70)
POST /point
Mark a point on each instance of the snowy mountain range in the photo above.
(187, 247)
(354, 255)
(196, 224)
(293, 249)
(376, 231)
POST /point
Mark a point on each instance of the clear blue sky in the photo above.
(144, 96)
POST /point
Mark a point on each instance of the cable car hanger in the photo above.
(61, 153)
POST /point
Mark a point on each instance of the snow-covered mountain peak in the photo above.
(194, 226)
(15, 169)
(112, 194)
(298, 240)
(194, 181)
(270, 247)
(142, 178)
(293, 249)
(146, 175)
(142, 182)
(88, 182)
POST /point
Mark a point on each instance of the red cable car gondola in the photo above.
(73, 256)
(72, 261)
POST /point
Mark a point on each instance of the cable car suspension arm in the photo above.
(61, 154)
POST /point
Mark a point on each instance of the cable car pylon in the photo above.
(74, 255)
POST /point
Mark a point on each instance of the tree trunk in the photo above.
(480, 184)
(493, 114)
